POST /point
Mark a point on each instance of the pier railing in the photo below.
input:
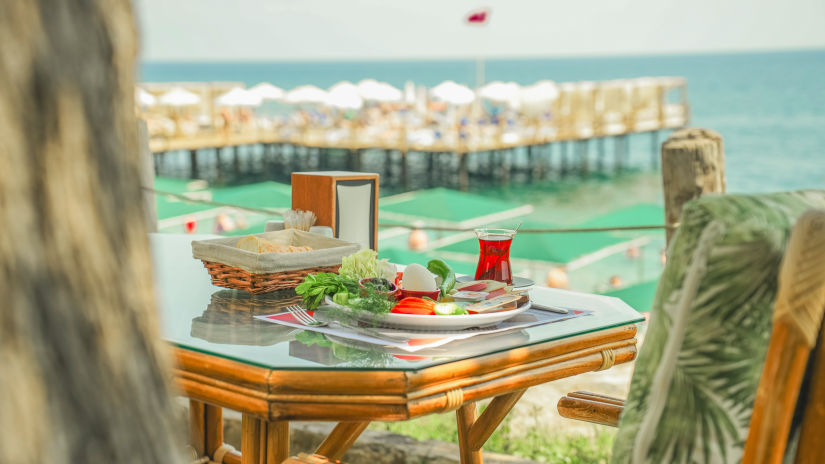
(582, 110)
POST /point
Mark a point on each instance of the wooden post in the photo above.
(693, 164)
(236, 160)
(549, 161)
(532, 169)
(563, 161)
(463, 175)
(541, 167)
(405, 182)
(600, 154)
(584, 158)
(193, 164)
(619, 149)
(85, 373)
(218, 164)
(505, 165)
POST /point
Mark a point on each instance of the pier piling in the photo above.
(693, 163)
(193, 163)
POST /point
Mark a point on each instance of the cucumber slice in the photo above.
(446, 309)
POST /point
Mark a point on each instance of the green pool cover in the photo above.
(555, 247)
(642, 214)
(442, 205)
(638, 296)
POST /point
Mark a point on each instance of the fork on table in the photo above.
(304, 317)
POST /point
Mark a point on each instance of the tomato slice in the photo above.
(416, 300)
(410, 309)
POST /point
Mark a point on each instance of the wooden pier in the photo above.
(584, 114)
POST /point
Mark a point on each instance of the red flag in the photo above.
(478, 17)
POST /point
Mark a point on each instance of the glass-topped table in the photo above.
(273, 373)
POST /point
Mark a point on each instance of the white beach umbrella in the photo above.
(498, 91)
(508, 93)
(239, 97)
(267, 91)
(540, 92)
(344, 95)
(179, 96)
(450, 92)
(344, 87)
(305, 94)
(145, 98)
(370, 89)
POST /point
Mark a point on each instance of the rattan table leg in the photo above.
(197, 427)
(251, 443)
(264, 442)
(341, 439)
(277, 442)
(466, 416)
(205, 428)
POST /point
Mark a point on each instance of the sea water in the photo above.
(769, 108)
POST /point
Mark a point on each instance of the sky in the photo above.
(287, 30)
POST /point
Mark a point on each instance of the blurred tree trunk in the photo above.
(82, 368)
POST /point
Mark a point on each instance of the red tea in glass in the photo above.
(494, 255)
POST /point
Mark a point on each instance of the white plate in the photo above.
(418, 321)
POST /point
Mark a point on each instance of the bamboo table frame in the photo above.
(270, 398)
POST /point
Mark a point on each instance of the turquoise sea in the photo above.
(769, 108)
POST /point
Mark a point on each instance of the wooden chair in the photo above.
(790, 399)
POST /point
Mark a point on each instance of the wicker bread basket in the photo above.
(257, 273)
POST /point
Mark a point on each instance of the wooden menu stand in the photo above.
(345, 201)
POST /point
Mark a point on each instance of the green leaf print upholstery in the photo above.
(696, 375)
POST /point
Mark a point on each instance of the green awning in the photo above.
(270, 195)
(639, 296)
(169, 207)
(642, 214)
(553, 247)
(170, 184)
(444, 205)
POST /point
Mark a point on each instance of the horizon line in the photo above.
(747, 51)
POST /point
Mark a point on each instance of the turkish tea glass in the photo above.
(494, 255)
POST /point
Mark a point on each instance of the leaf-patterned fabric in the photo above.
(695, 379)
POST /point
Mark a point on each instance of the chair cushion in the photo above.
(696, 375)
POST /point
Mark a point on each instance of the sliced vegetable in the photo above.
(445, 309)
(413, 305)
(443, 270)
(449, 309)
(413, 310)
